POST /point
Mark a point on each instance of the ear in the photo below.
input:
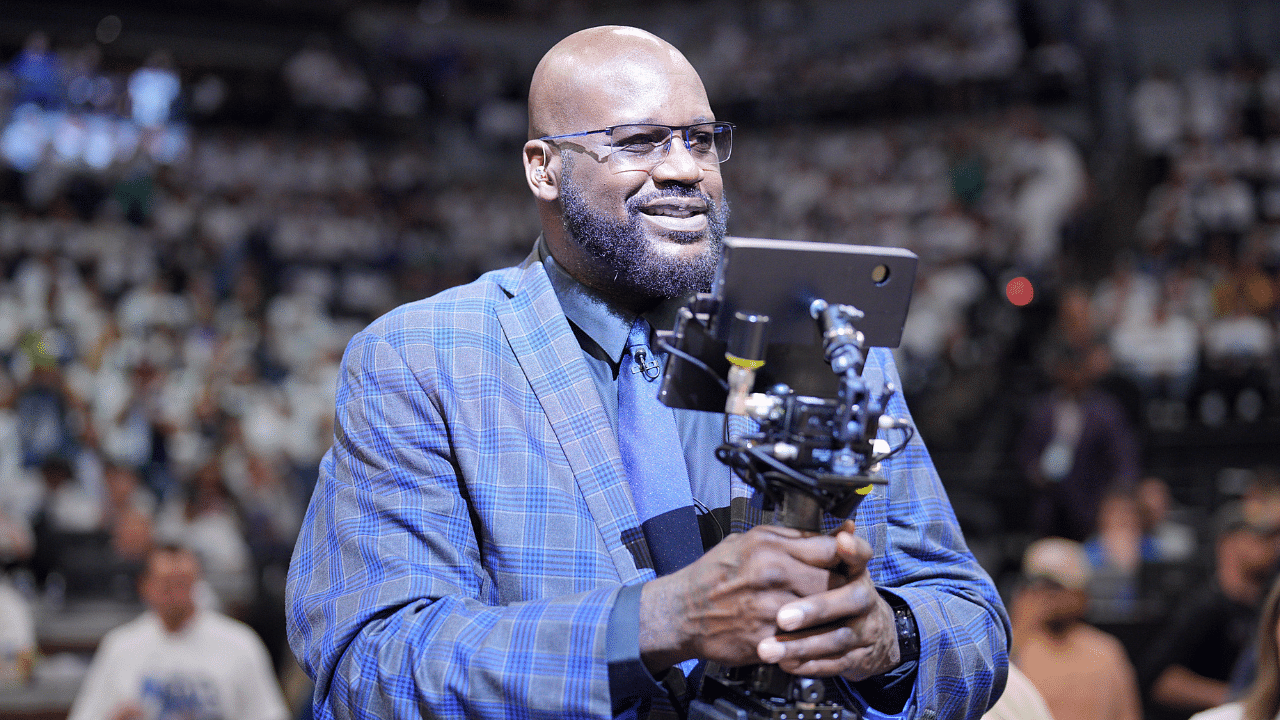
(541, 169)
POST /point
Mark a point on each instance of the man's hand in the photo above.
(848, 630)
(729, 605)
(723, 604)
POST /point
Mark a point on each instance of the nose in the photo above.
(678, 166)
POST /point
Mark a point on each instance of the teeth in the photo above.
(671, 211)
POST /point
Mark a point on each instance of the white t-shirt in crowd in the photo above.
(1230, 711)
(215, 668)
(17, 633)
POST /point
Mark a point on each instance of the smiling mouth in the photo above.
(674, 209)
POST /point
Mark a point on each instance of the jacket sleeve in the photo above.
(921, 556)
(390, 605)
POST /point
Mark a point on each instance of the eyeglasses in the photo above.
(642, 146)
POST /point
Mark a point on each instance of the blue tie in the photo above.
(654, 458)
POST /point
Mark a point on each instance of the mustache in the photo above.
(635, 203)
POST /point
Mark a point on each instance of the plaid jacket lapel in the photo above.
(551, 358)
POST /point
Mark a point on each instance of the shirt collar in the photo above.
(606, 325)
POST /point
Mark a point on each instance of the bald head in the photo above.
(634, 235)
(602, 69)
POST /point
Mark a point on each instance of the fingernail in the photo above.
(770, 650)
(790, 617)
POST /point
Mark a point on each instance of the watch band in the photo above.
(905, 624)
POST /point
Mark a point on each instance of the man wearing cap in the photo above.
(1082, 672)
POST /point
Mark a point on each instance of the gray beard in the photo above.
(623, 251)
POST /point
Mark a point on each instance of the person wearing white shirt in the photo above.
(177, 660)
(17, 631)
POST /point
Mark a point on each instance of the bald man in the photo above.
(474, 547)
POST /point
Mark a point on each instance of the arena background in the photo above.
(201, 201)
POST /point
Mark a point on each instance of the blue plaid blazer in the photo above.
(464, 545)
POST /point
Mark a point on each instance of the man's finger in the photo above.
(839, 605)
(815, 550)
(853, 551)
(832, 644)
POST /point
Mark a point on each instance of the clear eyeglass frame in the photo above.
(644, 146)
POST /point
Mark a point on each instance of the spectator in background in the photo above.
(17, 637)
(208, 520)
(1262, 699)
(1207, 109)
(1156, 106)
(1169, 219)
(1260, 500)
(968, 168)
(1020, 700)
(1159, 351)
(1138, 554)
(127, 514)
(153, 90)
(1224, 204)
(1116, 552)
(312, 72)
(1188, 664)
(1260, 503)
(1126, 297)
(1165, 521)
(37, 72)
(1082, 672)
(178, 661)
(319, 79)
(1079, 326)
(1054, 185)
(1075, 446)
(942, 298)
(1238, 348)
(67, 528)
(69, 507)
(16, 539)
(17, 624)
(44, 410)
(89, 89)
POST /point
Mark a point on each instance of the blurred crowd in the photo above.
(176, 294)
(1198, 301)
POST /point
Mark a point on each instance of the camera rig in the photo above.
(815, 446)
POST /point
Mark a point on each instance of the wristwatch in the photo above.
(905, 623)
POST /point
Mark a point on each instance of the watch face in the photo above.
(908, 635)
(904, 622)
